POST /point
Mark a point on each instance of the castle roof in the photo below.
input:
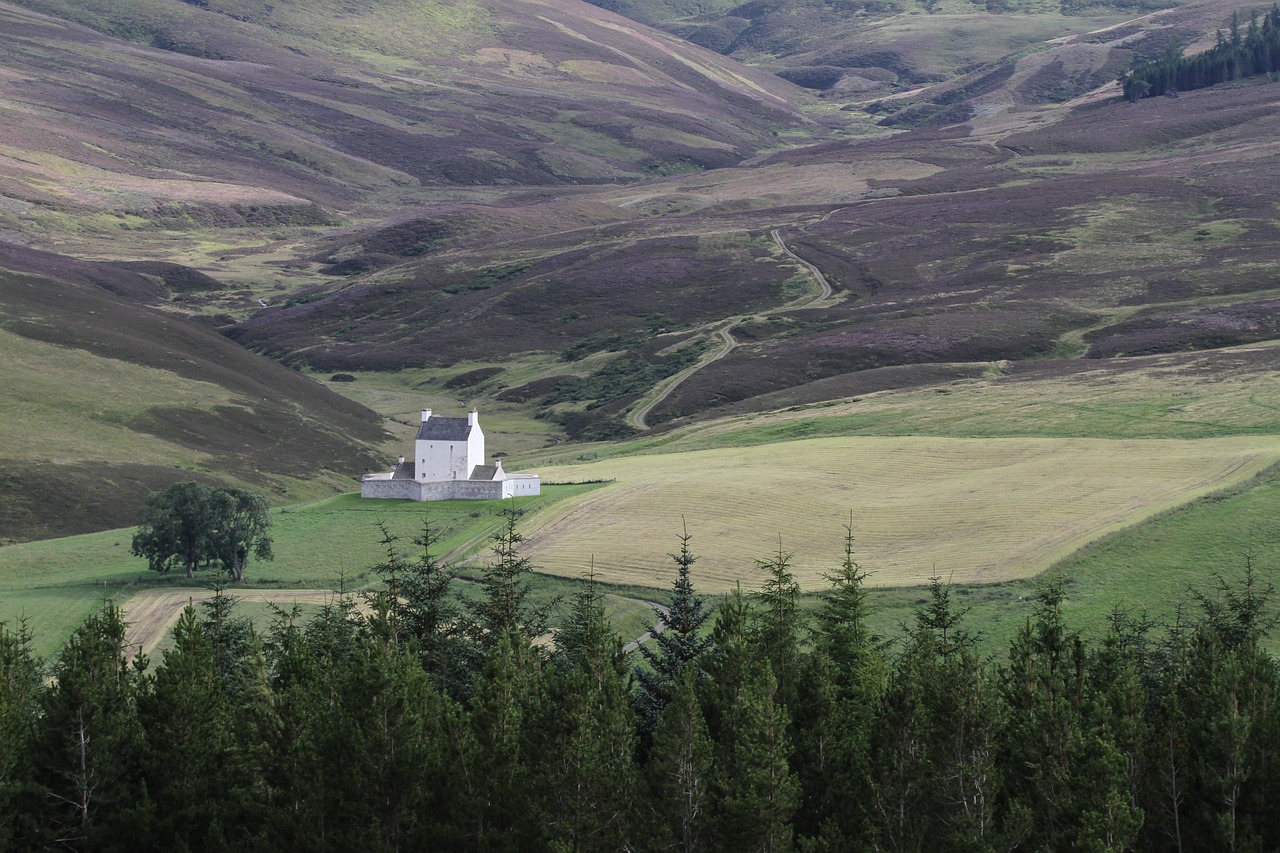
(405, 470)
(444, 429)
(484, 472)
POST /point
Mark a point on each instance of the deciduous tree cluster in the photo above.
(193, 526)
(427, 720)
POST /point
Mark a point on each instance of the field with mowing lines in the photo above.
(968, 510)
(1148, 570)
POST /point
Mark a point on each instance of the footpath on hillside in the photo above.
(723, 329)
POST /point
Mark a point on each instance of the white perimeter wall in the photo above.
(451, 490)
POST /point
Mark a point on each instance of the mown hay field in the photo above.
(967, 510)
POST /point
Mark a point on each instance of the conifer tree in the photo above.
(421, 611)
(586, 633)
(842, 631)
(677, 642)
(730, 665)
(191, 763)
(292, 768)
(583, 742)
(392, 752)
(431, 616)
(236, 646)
(1120, 681)
(89, 739)
(679, 774)
(1166, 785)
(385, 605)
(1232, 719)
(504, 611)
(754, 792)
(935, 779)
(778, 622)
(498, 800)
(898, 763)
(1065, 774)
(843, 679)
(20, 695)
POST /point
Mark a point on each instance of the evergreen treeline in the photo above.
(429, 721)
(1234, 56)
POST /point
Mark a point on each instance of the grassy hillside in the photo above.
(441, 235)
(106, 399)
(160, 137)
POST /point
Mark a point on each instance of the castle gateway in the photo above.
(448, 464)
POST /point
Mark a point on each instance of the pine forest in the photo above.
(419, 719)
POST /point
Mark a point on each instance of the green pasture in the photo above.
(327, 544)
(1148, 568)
(1190, 529)
(509, 427)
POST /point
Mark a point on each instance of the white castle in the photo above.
(448, 464)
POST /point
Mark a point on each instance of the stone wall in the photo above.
(461, 490)
(405, 490)
(381, 486)
(439, 490)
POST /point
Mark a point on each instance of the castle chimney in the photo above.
(401, 462)
(426, 415)
(498, 462)
(471, 417)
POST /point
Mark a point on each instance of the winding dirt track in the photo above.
(658, 628)
(152, 613)
(821, 298)
(724, 330)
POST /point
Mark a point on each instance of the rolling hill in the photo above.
(550, 210)
(1094, 229)
(145, 139)
(133, 126)
(106, 399)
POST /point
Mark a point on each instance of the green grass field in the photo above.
(56, 584)
(401, 395)
(1149, 567)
